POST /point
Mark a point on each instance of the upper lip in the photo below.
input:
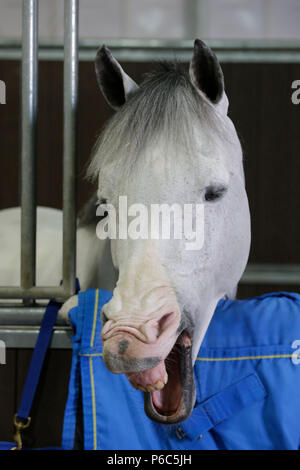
(125, 329)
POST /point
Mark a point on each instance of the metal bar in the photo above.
(25, 316)
(272, 274)
(200, 16)
(28, 154)
(285, 274)
(25, 337)
(70, 147)
(267, 273)
(35, 292)
(135, 50)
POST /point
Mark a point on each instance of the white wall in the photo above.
(174, 19)
(251, 19)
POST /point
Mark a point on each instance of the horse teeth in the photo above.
(139, 387)
(159, 385)
(150, 388)
(166, 378)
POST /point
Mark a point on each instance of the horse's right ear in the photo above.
(114, 83)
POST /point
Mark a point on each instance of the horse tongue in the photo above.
(167, 400)
(165, 389)
(150, 379)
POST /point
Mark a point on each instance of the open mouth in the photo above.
(173, 402)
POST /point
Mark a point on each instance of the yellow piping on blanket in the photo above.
(92, 372)
(95, 317)
(93, 404)
(220, 359)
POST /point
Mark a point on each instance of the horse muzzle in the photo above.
(166, 377)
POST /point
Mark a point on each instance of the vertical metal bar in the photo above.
(70, 147)
(200, 20)
(28, 141)
(190, 18)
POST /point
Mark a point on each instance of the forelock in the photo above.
(165, 109)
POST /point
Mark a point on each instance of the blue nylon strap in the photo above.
(223, 405)
(38, 357)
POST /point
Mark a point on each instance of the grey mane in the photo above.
(165, 108)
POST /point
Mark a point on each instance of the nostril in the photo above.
(165, 321)
(152, 329)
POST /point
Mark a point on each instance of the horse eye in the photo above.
(213, 193)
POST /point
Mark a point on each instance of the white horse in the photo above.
(170, 141)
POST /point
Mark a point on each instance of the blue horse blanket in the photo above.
(247, 377)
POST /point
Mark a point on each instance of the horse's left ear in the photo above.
(114, 83)
(207, 76)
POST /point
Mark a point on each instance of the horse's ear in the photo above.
(114, 83)
(207, 76)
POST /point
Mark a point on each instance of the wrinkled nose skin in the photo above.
(128, 348)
